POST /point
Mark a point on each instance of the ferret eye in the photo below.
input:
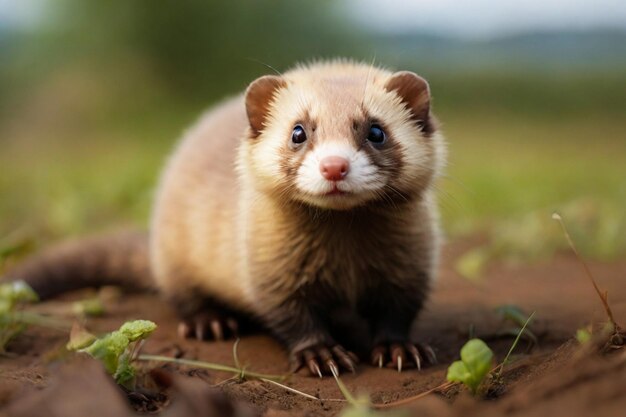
(298, 135)
(376, 135)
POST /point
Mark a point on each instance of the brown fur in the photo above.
(112, 259)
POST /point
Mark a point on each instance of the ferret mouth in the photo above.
(335, 191)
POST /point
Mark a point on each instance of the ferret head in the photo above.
(341, 135)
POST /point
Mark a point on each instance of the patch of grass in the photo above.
(600, 226)
(503, 167)
(614, 335)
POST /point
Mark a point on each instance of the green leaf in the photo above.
(477, 356)
(475, 363)
(458, 372)
(138, 329)
(583, 336)
(125, 372)
(80, 338)
(108, 349)
(6, 306)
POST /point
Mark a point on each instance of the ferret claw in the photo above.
(416, 355)
(184, 330)
(205, 325)
(432, 358)
(346, 358)
(232, 325)
(330, 358)
(315, 368)
(216, 328)
(378, 356)
(396, 355)
(200, 332)
(333, 368)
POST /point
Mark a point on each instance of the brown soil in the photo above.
(556, 377)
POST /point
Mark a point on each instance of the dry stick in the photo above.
(603, 295)
(208, 365)
(304, 394)
(238, 371)
(355, 402)
(408, 400)
(285, 387)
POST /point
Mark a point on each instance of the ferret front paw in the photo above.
(402, 355)
(208, 325)
(322, 359)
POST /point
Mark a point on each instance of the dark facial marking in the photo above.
(292, 154)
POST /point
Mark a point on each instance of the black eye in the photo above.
(298, 135)
(376, 135)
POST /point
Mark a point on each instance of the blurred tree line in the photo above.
(189, 50)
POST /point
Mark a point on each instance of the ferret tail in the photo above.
(112, 259)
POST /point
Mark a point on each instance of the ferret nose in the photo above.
(334, 168)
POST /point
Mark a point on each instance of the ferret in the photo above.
(306, 204)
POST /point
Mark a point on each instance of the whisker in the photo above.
(265, 65)
(458, 182)
(446, 195)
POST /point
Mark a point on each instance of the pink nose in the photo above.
(334, 168)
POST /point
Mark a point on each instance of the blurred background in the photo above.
(532, 97)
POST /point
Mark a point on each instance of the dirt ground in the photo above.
(555, 377)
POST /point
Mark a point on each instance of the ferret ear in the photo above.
(258, 98)
(415, 93)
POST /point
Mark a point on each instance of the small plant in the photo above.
(116, 350)
(12, 295)
(583, 336)
(475, 364)
(90, 307)
(13, 319)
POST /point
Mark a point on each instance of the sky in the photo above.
(488, 18)
(19, 12)
(476, 18)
